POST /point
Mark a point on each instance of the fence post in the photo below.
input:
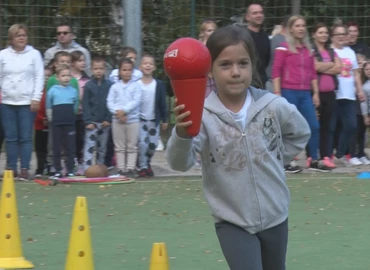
(192, 19)
(132, 25)
(296, 7)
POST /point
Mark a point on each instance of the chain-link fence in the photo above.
(98, 24)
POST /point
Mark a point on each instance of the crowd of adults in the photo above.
(331, 105)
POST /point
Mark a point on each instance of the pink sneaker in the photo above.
(328, 162)
(308, 162)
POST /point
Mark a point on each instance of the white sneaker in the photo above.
(365, 161)
(355, 161)
(160, 146)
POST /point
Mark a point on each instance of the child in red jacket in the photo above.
(41, 132)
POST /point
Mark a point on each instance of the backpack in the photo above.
(319, 58)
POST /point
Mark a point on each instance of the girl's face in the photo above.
(125, 72)
(208, 29)
(367, 70)
(361, 60)
(232, 70)
(298, 29)
(321, 35)
(80, 64)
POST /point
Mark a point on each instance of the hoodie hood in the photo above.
(260, 99)
(27, 49)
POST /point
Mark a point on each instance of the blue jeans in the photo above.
(345, 112)
(1, 131)
(302, 99)
(18, 128)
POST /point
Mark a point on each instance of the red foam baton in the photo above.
(187, 62)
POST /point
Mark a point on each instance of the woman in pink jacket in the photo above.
(295, 78)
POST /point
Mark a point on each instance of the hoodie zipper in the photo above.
(244, 135)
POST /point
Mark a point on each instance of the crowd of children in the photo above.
(118, 118)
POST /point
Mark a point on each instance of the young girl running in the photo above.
(123, 102)
(246, 137)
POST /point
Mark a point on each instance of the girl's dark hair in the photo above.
(126, 50)
(233, 35)
(76, 55)
(125, 61)
(363, 76)
(317, 27)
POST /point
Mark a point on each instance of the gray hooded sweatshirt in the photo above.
(243, 170)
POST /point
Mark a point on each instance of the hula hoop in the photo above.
(104, 183)
(85, 181)
(92, 180)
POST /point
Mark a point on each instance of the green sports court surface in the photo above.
(329, 223)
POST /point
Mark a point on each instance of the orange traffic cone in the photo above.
(159, 257)
(11, 255)
(79, 249)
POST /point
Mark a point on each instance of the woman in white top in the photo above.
(21, 83)
(349, 86)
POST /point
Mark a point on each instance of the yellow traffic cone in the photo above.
(11, 255)
(159, 257)
(79, 255)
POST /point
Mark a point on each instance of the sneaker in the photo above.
(308, 162)
(51, 170)
(142, 173)
(318, 166)
(131, 174)
(198, 165)
(121, 173)
(71, 175)
(292, 168)
(355, 161)
(341, 161)
(24, 175)
(328, 162)
(365, 160)
(56, 175)
(80, 169)
(160, 146)
(37, 176)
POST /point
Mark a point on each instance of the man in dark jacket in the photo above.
(255, 18)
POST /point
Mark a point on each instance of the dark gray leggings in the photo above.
(265, 250)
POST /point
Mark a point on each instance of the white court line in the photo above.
(166, 180)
